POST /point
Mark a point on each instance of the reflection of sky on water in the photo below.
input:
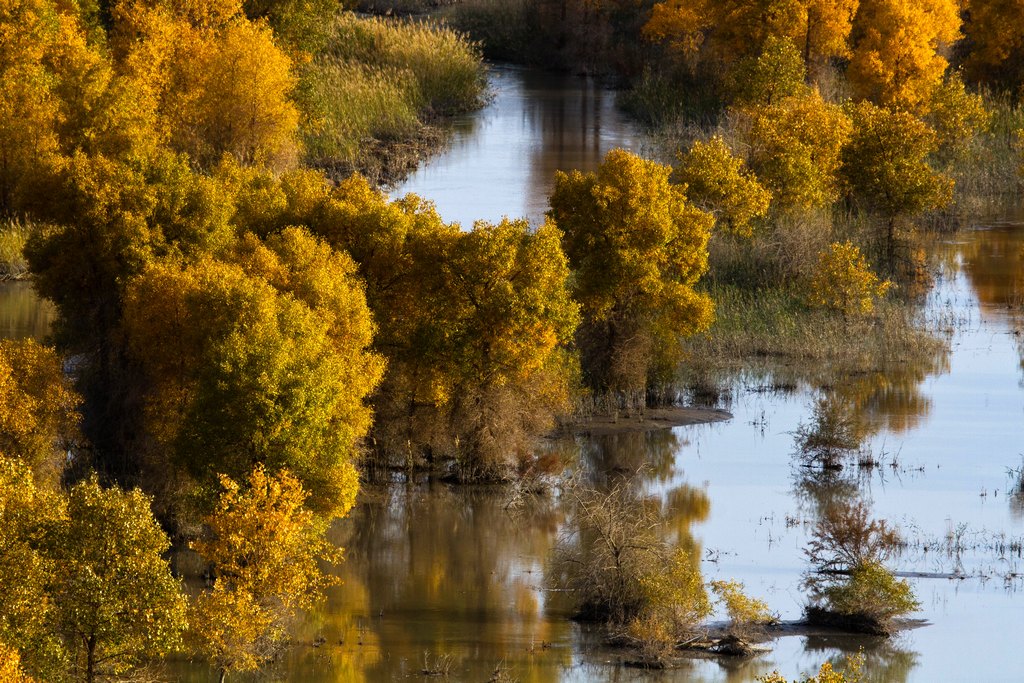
(952, 472)
(502, 160)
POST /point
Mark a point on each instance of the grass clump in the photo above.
(774, 324)
(349, 102)
(377, 84)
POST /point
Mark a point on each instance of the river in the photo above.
(455, 574)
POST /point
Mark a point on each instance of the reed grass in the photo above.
(990, 169)
(348, 103)
(378, 82)
(446, 65)
(770, 332)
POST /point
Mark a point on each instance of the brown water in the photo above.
(458, 572)
(22, 314)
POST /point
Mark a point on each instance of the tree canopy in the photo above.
(637, 248)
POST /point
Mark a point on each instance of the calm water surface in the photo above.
(502, 160)
(22, 314)
(455, 572)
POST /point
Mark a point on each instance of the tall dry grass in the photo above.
(771, 333)
(379, 80)
(990, 170)
(445, 64)
(348, 103)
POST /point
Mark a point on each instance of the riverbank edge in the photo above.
(648, 420)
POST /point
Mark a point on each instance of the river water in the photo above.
(435, 571)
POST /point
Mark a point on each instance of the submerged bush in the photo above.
(831, 434)
(872, 591)
(826, 674)
(849, 583)
(621, 570)
(746, 614)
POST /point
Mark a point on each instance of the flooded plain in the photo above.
(458, 572)
(443, 576)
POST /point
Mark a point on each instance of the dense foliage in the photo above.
(237, 334)
(637, 248)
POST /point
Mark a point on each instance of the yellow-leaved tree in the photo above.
(795, 148)
(996, 44)
(38, 408)
(513, 319)
(885, 165)
(734, 29)
(474, 325)
(898, 49)
(843, 281)
(25, 611)
(262, 362)
(115, 602)
(637, 248)
(719, 182)
(958, 117)
(775, 73)
(265, 549)
(10, 666)
(29, 111)
(222, 84)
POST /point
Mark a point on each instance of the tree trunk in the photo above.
(891, 243)
(90, 659)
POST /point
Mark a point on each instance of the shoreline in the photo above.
(648, 420)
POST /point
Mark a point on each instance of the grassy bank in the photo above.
(772, 332)
(376, 94)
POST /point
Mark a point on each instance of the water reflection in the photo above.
(445, 571)
(502, 160)
(22, 313)
(616, 455)
(995, 268)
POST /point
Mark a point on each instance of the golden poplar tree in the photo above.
(734, 29)
(795, 148)
(637, 248)
(898, 49)
(263, 362)
(996, 42)
(719, 182)
(265, 550)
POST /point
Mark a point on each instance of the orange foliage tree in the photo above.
(898, 49)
